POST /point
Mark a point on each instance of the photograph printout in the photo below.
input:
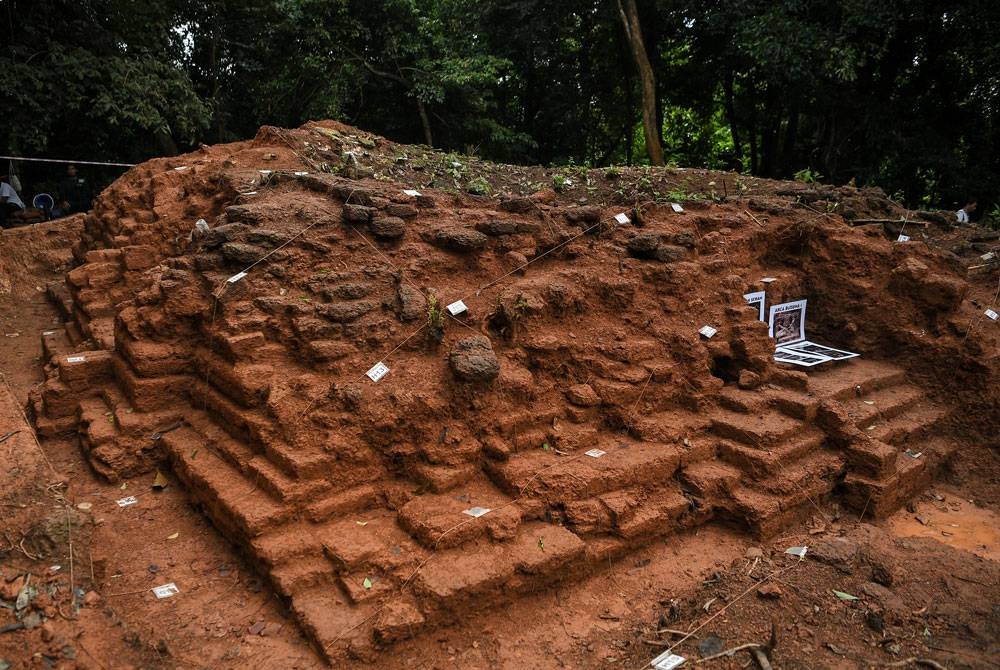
(756, 299)
(788, 322)
(787, 325)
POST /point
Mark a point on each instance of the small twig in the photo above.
(673, 631)
(20, 545)
(918, 661)
(730, 652)
(761, 658)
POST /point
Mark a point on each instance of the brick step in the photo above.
(55, 343)
(795, 404)
(630, 514)
(299, 462)
(286, 543)
(818, 471)
(913, 425)
(554, 478)
(246, 384)
(58, 294)
(871, 458)
(441, 478)
(886, 404)
(665, 511)
(234, 504)
(337, 628)
(438, 521)
(669, 427)
(840, 382)
(97, 422)
(301, 573)
(455, 580)
(148, 394)
(238, 454)
(342, 501)
(756, 430)
(245, 425)
(535, 419)
(766, 514)
(759, 463)
(369, 541)
(880, 497)
(711, 479)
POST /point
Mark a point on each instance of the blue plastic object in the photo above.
(43, 201)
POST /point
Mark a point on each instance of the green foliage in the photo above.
(900, 94)
(808, 176)
(435, 319)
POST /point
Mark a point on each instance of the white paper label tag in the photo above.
(797, 551)
(249, 193)
(182, 167)
(476, 512)
(768, 280)
(667, 661)
(676, 207)
(622, 218)
(300, 174)
(410, 192)
(166, 590)
(236, 277)
(48, 333)
(378, 371)
(595, 453)
(990, 314)
(708, 331)
(903, 238)
(264, 172)
(125, 502)
(76, 359)
(456, 308)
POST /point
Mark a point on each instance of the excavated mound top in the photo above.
(573, 398)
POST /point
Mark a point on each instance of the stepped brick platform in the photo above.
(574, 402)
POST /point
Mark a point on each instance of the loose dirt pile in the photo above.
(225, 307)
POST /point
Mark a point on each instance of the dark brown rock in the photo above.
(473, 360)
(388, 227)
(458, 239)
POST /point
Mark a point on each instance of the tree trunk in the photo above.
(728, 85)
(630, 20)
(425, 122)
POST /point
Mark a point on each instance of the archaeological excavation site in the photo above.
(347, 403)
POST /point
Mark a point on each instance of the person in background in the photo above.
(962, 215)
(10, 202)
(74, 193)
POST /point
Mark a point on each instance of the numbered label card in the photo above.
(378, 371)
(595, 453)
(76, 359)
(622, 218)
(990, 314)
(676, 207)
(457, 308)
(476, 512)
(127, 501)
(410, 192)
(708, 332)
(903, 238)
(166, 591)
(236, 277)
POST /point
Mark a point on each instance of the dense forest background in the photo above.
(898, 93)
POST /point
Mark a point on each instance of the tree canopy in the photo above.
(903, 94)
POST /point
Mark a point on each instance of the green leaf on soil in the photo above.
(367, 583)
(844, 596)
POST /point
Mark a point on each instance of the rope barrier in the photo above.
(63, 161)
